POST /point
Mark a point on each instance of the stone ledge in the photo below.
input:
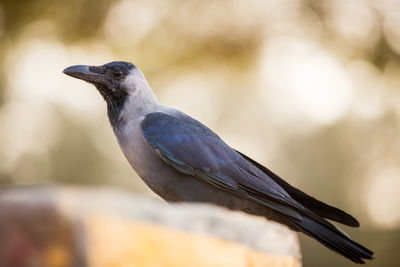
(58, 226)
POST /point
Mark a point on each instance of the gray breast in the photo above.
(146, 162)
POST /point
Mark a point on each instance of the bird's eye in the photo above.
(117, 73)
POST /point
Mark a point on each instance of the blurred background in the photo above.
(309, 88)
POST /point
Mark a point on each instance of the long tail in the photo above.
(333, 239)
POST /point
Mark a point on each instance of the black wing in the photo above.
(193, 149)
(318, 207)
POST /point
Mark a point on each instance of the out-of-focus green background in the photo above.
(309, 88)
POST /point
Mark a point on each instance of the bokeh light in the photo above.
(381, 196)
(302, 81)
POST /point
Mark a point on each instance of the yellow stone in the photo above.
(113, 242)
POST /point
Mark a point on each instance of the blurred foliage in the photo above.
(71, 18)
(309, 88)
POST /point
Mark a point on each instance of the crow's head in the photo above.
(116, 81)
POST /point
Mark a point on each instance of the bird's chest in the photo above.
(144, 159)
(135, 148)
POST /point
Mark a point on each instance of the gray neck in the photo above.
(135, 105)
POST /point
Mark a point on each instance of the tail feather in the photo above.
(333, 239)
(317, 207)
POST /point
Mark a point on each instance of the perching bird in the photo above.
(181, 159)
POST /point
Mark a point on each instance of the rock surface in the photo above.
(57, 226)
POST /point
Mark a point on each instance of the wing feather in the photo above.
(193, 149)
(318, 207)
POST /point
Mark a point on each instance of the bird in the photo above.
(182, 160)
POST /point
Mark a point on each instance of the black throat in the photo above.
(114, 109)
(115, 103)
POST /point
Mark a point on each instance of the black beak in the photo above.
(85, 73)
